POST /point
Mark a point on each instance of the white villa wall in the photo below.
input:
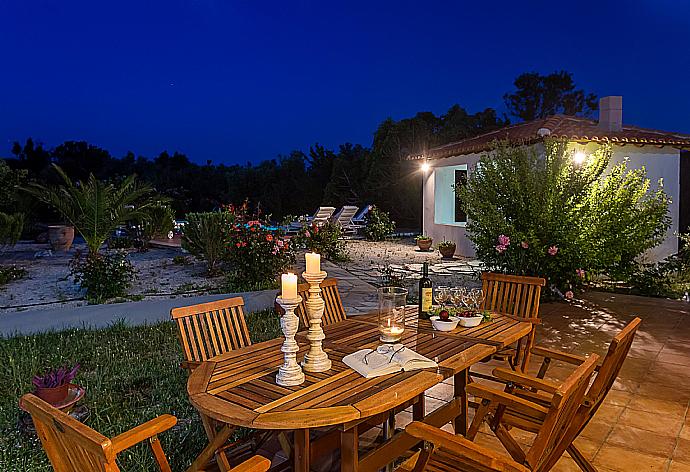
(660, 163)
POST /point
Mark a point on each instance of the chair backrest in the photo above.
(359, 217)
(323, 214)
(70, 445)
(512, 294)
(209, 329)
(333, 310)
(345, 215)
(553, 439)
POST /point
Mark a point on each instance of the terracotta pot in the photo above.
(424, 244)
(53, 395)
(447, 251)
(61, 237)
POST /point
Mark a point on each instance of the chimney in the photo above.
(611, 113)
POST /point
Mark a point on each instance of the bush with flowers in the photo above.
(256, 255)
(324, 239)
(537, 212)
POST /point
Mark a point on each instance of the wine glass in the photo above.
(443, 294)
(457, 295)
(477, 298)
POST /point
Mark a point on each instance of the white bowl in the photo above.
(444, 325)
(470, 321)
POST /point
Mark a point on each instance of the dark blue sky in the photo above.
(238, 81)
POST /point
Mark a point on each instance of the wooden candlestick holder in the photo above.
(290, 373)
(316, 360)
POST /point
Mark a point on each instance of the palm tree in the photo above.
(96, 208)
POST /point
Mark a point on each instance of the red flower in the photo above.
(244, 244)
(269, 237)
(238, 244)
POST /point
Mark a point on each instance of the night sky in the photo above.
(245, 81)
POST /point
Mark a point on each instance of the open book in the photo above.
(385, 360)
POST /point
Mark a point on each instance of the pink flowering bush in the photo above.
(324, 239)
(256, 255)
(535, 212)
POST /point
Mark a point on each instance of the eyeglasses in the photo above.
(384, 349)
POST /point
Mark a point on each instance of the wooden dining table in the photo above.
(238, 388)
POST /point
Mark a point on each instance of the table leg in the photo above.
(418, 408)
(459, 385)
(388, 432)
(349, 450)
(301, 450)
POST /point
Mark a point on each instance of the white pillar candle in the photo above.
(288, 286)
(313, 263)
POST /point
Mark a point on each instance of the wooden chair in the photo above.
(537, 389)
(207, 330)
(516, 296)
(333, 311)
(444, 451)
(72, 446)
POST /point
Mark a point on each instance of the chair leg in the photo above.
(211, 432)
(210, 450)
(479, 416)
(158, 454)
(581, 461)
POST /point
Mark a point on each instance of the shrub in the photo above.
(103, 275)
(667, 278)
(158, 221)
(11, 226)
(256, 255)
(379, 225)
(207, 235)
(422, 237)
(324, 239)
(539, 213)
(10, 273)
(122, 242)
(181, 260)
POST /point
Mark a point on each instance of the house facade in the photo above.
(664, 155)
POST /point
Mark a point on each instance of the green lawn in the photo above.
(131, 375)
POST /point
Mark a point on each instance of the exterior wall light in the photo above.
(579, 158)
(425, 167)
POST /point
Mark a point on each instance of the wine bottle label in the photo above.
(426, 299)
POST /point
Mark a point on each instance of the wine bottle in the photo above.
(425, 293)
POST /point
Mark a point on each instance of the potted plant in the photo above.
(446, 248)
(53, 385)
(60, 237)
(423, 242)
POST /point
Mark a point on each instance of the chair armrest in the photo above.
(558, 355)
(525, 380)
(507, 399)
(142, 432)
(253, 464)
(466, 450)
(189, 365)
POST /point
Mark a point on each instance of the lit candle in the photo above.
(313, 263)
(288, 286)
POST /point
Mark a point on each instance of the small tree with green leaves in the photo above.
(535, 211)
(96, 208)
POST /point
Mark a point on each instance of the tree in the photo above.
(539, 96)
(96, 208)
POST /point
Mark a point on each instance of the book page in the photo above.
(411, 360)
(374, 365)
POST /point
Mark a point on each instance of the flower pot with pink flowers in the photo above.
(447, 249)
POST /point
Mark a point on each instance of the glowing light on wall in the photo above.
(425, 167)
(579, 157)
